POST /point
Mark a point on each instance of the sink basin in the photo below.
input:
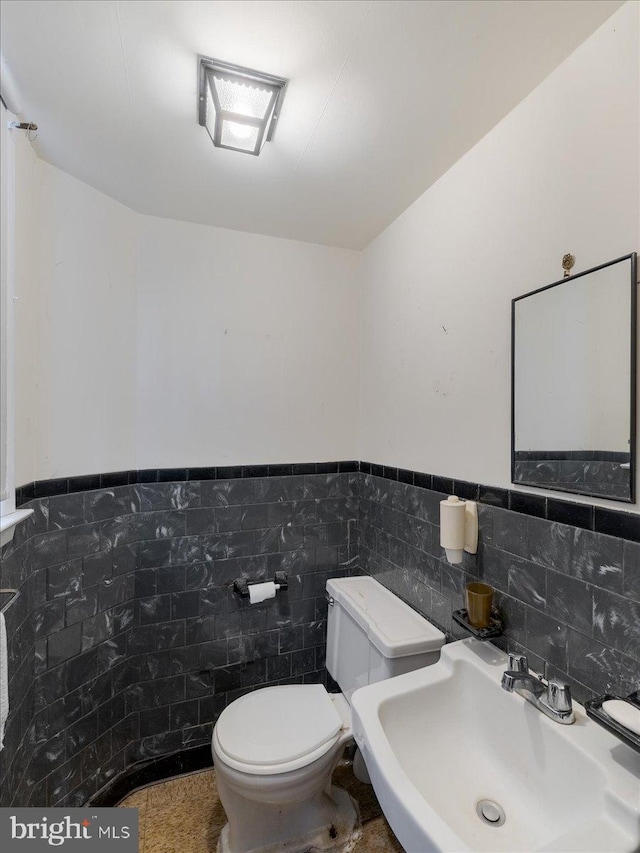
(442, 741)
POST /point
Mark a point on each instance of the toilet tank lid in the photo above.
(393, 627)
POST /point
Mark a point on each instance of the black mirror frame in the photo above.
(632, 391)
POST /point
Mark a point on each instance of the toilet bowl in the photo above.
(275, 749)
(274, 756)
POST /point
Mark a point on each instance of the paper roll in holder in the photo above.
(241, 585)
(458, 528)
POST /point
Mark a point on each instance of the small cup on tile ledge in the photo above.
(478, 598)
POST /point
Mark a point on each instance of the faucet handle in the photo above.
(559, 695)
(518, 663)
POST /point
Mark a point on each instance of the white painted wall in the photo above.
(7, 314)
(88, 328)
(145, 342)
(76, 326)
(27, 167)
(123, 354)
(559, 174)
(247, 348)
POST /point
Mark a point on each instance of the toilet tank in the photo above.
(373, 635)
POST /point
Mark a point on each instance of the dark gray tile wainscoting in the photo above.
(589, 477)
(570, 596)
(127, 641)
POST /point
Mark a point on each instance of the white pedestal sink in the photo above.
(440, 740)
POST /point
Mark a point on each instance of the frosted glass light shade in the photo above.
(242, 98)
(240, 137)
(239, 107)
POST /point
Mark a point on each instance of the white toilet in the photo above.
(275, 749)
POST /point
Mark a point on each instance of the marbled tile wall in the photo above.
(570, 597)
(589, 477)
(127, 641)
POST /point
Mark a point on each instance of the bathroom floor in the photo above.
(184, 815)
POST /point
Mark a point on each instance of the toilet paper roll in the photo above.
(452, 518)
(262, 591)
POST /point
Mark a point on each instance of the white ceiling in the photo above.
(383, 98)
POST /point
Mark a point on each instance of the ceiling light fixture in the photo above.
(238, 106)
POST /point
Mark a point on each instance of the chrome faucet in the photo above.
(553, 698)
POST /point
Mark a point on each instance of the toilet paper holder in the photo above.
(241, 585)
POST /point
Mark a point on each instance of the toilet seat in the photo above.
(278, 729)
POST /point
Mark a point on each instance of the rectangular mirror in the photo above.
(573, 383)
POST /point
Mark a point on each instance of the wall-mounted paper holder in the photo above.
(241, 585)
(458, 528)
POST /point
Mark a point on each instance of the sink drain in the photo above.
(490, 812)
